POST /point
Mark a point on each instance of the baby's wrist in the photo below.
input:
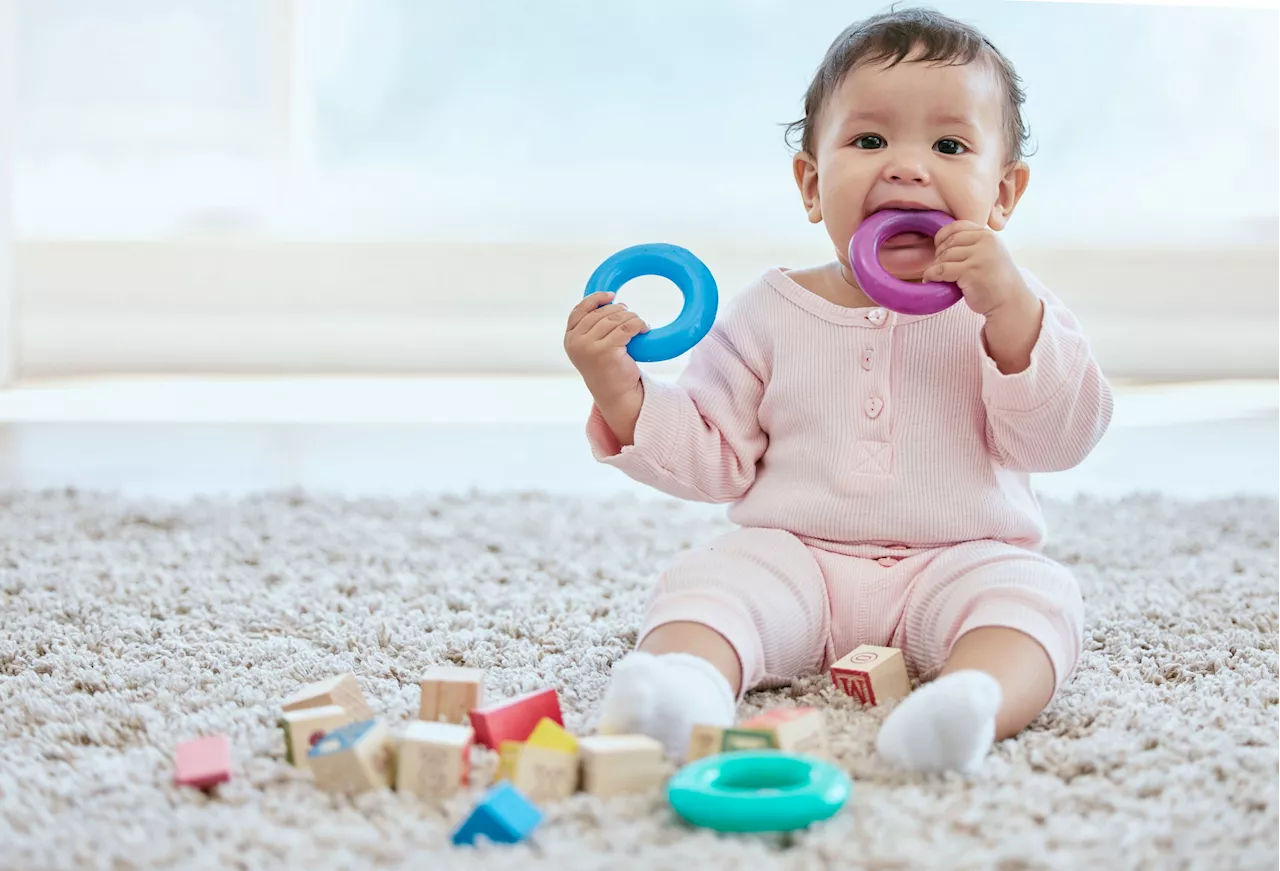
(621, 411)
(1020, 304)
(1011, 333)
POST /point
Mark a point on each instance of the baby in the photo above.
(877, 463)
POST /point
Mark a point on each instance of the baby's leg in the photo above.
(749, 610)
(697, 639)
(1002, 628)
(1020, 666)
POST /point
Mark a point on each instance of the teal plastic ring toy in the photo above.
(680, 266)
(758, 791)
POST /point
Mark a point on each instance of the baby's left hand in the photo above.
(973, 257)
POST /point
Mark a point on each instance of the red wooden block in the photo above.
(514, 719)
(203, 762)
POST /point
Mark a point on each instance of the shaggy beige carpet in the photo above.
(128, 626)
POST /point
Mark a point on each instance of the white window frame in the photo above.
(278, 307)
(8, 293)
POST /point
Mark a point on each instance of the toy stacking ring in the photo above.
(689, 274)
(758, 791)
(881, 287)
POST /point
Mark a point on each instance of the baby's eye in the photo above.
(949, 146)
(870, 140)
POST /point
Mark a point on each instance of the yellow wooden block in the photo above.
(355, 758)
(794, 730)
(704, 741)
(433, 759)
(619, 764)
(449, 693)
(340, 690)
(508, 756)
(304, 728)
(551, 735)
(545, 775)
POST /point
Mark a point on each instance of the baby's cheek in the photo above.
(977, 199)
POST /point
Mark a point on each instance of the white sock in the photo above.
(946, 725)
(664, 697)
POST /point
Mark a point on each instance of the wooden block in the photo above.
(508, 755)
(304, 728)
(354, 758)
(433, 759)
(619, 764)
(872, 674)
(203, 762)
(794, 730)
(747, 739)
(704, 741)
(546, 775)
(449, 694)
(503, 815)
(340, 689)
(514, 719)
(551, 735)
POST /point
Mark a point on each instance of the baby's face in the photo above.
(913, 135)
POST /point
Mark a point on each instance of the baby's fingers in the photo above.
(953, 255)
(590, 327)
(603, 328)
(955, 228)
(944, 272)
(962, 239)
(625, 331)
(588, 305)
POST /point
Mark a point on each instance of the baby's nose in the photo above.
(908, 167)
(908, 171)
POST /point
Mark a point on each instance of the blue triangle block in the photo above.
(503, 815)
(342, 739)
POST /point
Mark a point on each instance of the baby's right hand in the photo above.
(596, 342)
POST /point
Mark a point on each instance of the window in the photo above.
(425, 185)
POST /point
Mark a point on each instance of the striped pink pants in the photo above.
(791, 609)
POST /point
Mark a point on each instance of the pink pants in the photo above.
(791, 609)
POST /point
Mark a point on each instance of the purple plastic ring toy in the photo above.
(882, 288)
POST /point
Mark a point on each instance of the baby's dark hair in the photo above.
(891, 38)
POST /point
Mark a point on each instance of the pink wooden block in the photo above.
(203, 762)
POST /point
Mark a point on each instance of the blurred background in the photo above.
(241, 197)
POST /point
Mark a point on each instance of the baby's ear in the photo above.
(806, 173)
(1013, 184)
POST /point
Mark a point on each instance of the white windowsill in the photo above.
(478, 399)
(419, 307)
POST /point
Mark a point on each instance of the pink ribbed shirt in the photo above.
(857, 429)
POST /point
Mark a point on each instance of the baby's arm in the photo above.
(698, 438)
(1050, 415)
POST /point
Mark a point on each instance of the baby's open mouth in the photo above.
(907, 240)
(900, 241)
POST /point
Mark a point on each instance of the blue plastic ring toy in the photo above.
(758, 791)
(690, 274)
